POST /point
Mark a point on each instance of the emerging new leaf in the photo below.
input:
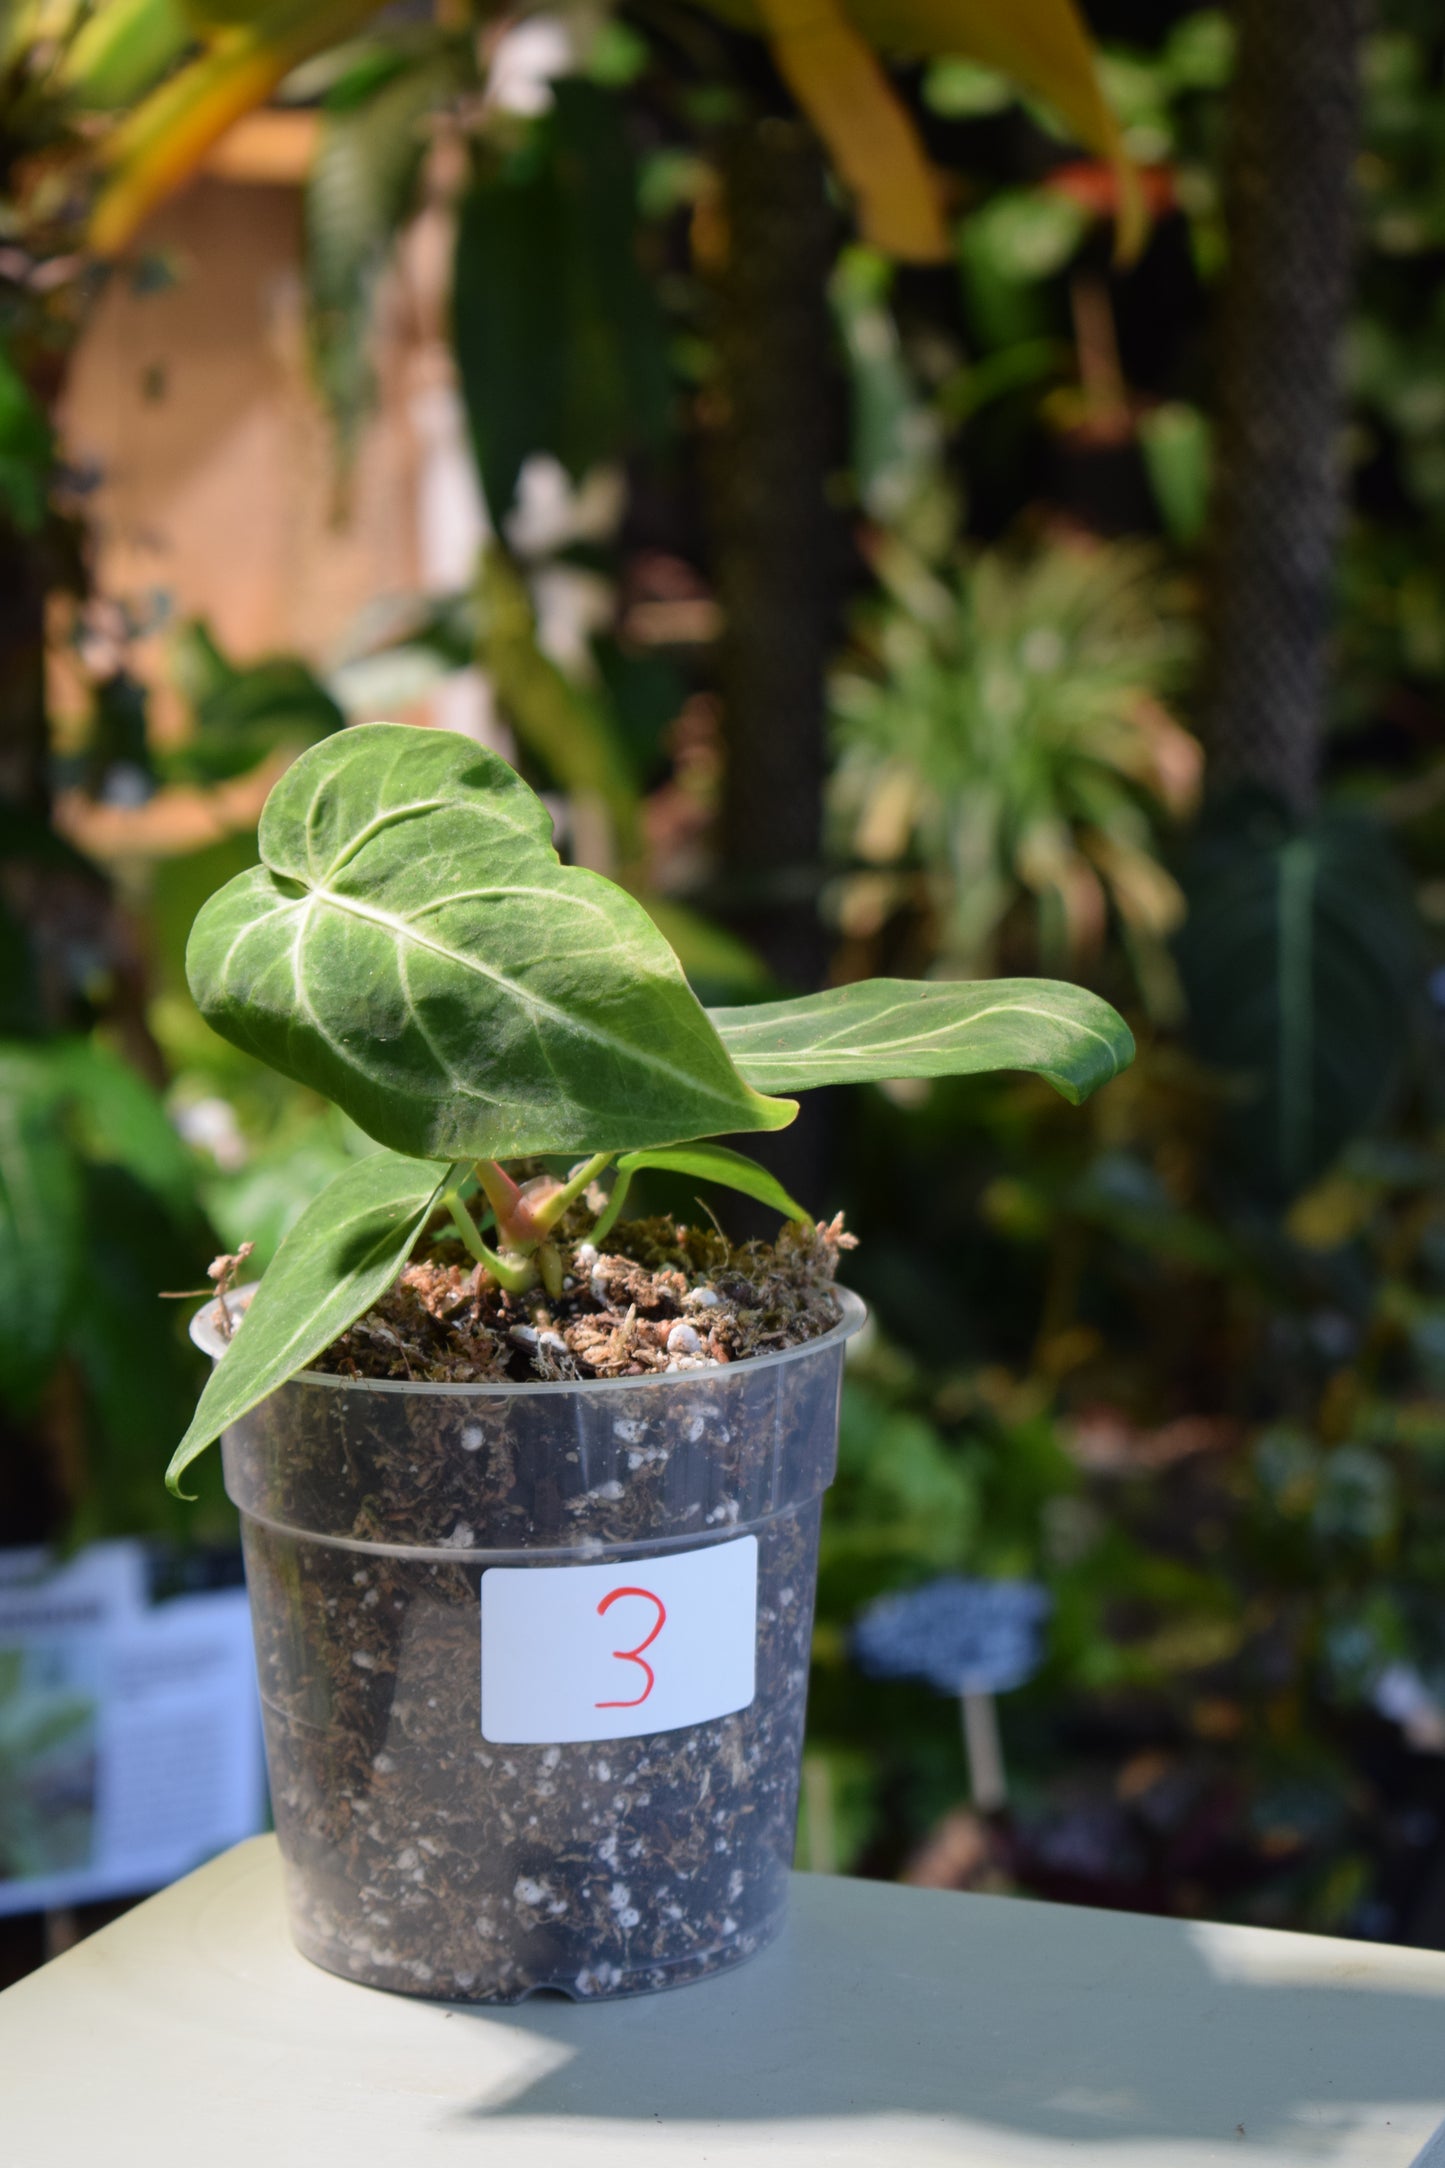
(904, 1027)
(412, 948)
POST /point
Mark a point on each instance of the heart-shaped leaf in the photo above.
(715, 1163)
(903, 1027)
(343, 1253)
(412, 948)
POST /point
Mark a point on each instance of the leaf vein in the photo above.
(535, 1005)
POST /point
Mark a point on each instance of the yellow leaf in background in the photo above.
(1333, 1213)
(1042, 45)
(1145, 895)
(160, 145)
(165, 140)
(840, 86)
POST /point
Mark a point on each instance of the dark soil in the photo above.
(658, 1297)
(419, 1855)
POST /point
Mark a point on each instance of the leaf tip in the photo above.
(781, 1113)
(191, 1447)
(174, 1473)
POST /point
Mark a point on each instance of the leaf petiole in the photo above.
(515, 1278)
(546, 1216)
(613, 1212)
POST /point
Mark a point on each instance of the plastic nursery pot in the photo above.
(533, 1665)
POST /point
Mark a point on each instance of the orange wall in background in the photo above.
(219, 479)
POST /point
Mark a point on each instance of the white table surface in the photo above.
(888, 2026)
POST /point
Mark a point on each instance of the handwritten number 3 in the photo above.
(635, 1655)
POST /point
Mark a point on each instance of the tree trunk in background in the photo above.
(771, 538)
(1294, 125)
(772, 566)
(24, 733)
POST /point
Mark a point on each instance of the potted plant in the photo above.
(531, 1521)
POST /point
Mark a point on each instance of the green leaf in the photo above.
(1024, 234)
(894, 438)
(1178, 452)
(260, 1201)
(905, 1027)
(243, 715)
(40, 1223)
(342, 1254)
(117, 1118)
(963, 90)
(715, 1163)
(559, 338)
(22, 1014)
(141, 1373)
(359, 193)
(563, 725)
(121, 49)
(78, 1125)
(412, 948)
(1301, 958)
(717, 963)
(27, 451)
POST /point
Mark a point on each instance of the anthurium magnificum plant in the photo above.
(412, 947)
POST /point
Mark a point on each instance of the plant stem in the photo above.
(501, 1192)
(515, 1278)
(545, 1216)
(615, 1203)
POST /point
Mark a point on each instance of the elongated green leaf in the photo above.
(140, 1374)
(27, 451)
(121, 49)
(1301, 958)
(715, 1163)
(117, 1118)
(360, 189)
(78, 1125)
(342, 1254)
(412, 948)
(559, 339)
(40, 1230)
(905, 1027)
(563, 725)
(163, 141)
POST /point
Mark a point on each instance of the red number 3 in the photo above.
(635, 1655)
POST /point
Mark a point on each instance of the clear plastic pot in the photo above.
(436, 1839)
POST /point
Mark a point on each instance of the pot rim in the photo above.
(855, 1314)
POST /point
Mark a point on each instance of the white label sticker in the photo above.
(613, 1652)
